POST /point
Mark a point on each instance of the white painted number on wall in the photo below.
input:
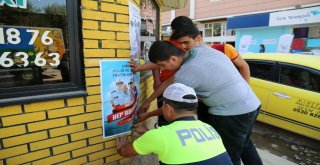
(45, 39)
(6, 59)
(13, 36)
(35, 34)
(24, 59)
(1, 36)
(55, 58)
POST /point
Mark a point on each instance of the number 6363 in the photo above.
(7, 59)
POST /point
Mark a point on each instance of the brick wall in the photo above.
(69, 131)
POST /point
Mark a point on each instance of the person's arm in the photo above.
(145, 116)
(148, 66)
(137, 68)
(150, 142)
(243, 67)
(140, 128)
(145, 106)
(125, 148)
(156, 78)
(237, 60)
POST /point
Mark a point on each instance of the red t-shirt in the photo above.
(165, 74)
(227, 49)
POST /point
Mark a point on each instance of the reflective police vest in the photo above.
(184, 142)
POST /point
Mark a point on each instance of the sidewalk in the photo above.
(271, 159)
(267, 159)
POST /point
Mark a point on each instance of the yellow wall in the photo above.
(69, 131)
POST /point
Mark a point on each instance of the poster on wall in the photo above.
(245, 42)
(120, 93)
(134, 30)
(284, 44)
(149, 12)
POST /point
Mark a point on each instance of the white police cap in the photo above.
(177, 91)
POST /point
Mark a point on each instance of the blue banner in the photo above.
(248, 21)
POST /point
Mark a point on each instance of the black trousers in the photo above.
(235, 132)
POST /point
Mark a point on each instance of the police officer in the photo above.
(185, 140)
(118, 97)
(132, 89)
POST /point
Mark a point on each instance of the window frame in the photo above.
(208, 27)
(74, 88)
(217, 24)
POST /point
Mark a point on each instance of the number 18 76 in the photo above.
(13, 36)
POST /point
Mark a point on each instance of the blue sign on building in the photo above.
(248, 21)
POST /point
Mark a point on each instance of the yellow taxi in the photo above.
(288, 86)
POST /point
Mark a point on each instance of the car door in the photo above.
(294, 103)
(262, 75)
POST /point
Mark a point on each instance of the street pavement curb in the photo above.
(271, 159)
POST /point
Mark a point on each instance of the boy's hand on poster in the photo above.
(142, 117)
(144, 107)
(134, 66)
(140, 129)
(121, 141)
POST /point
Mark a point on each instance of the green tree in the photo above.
(55, 9)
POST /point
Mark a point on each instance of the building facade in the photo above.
(50, 103)
(228, 20)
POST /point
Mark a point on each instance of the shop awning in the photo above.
(167, 5)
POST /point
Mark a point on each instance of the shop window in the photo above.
(314, 32)
(213, 29)
(208, 30)
(301, 32)
(166, 30)
(40, 54)
(230, 32)
(149, 12)
(217, 29)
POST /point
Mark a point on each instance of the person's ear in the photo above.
(166, 106)
(169, 110)
(174, 58)
(198, 39)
